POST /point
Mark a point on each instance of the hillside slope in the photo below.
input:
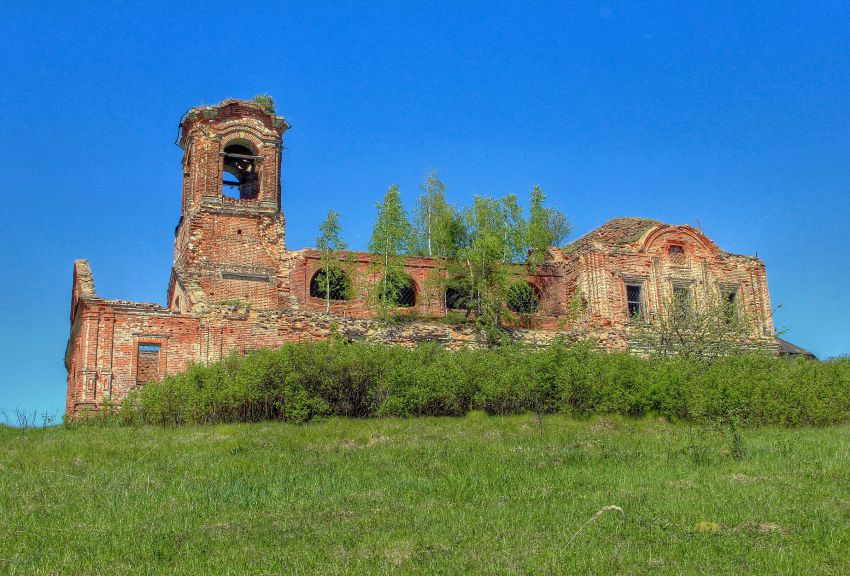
(473, 495)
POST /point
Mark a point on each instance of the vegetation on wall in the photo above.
(440, 233)
(266, 101)
(476, 247)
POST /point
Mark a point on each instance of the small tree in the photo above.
(546, 227)
(514, 230)
(701, 328)
(391, 238)
(331, 245)
(433, 219)
(440, 234)
(495, 239)
(499, 237)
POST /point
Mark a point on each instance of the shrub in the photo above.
(299, 382)
(522, 298)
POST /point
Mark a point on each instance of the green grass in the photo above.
(472, 495)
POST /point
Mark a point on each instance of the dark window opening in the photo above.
(522, 298)
(677, 254)
(398, 289)
(239, 173)
(634, 302)
(730, 303)
(335, 282)
(147, 366)
(459, 295)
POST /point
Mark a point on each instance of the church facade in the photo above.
(235, 287)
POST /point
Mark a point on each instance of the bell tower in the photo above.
(230, 240)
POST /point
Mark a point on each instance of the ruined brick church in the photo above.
(234, 286)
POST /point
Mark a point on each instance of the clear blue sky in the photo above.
(734, 116)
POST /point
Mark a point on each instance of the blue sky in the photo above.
(731, 116)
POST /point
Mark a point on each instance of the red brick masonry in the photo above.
(235, 287)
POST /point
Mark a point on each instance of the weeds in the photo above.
(599, 513)
(27, 419)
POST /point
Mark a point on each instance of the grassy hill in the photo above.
(471, 495)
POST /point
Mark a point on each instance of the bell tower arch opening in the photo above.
(232, 155)
(239, 170)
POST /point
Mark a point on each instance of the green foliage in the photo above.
(332, 283)
(330, 235)
(493, 243)
(485, 243)
(300, 382)
(439, 230)
(394, 289)
(546, 227)
(266, 101)
(391, 238)
(522, 298)
(498, 237)
(393, 233)
(456, 318)
(440, 234)
(460, 289)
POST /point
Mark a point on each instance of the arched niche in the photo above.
(333, 284)
(240, 170)
(678, 244)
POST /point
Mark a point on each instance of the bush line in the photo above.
(302, 381)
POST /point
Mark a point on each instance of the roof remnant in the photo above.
(613, 233)
(792, 350)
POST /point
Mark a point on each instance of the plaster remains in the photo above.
(235, 287)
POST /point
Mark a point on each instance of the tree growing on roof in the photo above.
(546, 227)
(496, 238)
(392, 236)
(440, 234)
(332, 279)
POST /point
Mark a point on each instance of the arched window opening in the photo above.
(523, 299)
(459, 295)
(335, 283)
(398, 289)
(239, 173)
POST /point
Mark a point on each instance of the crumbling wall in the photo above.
(107, 359)
(234, 287)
